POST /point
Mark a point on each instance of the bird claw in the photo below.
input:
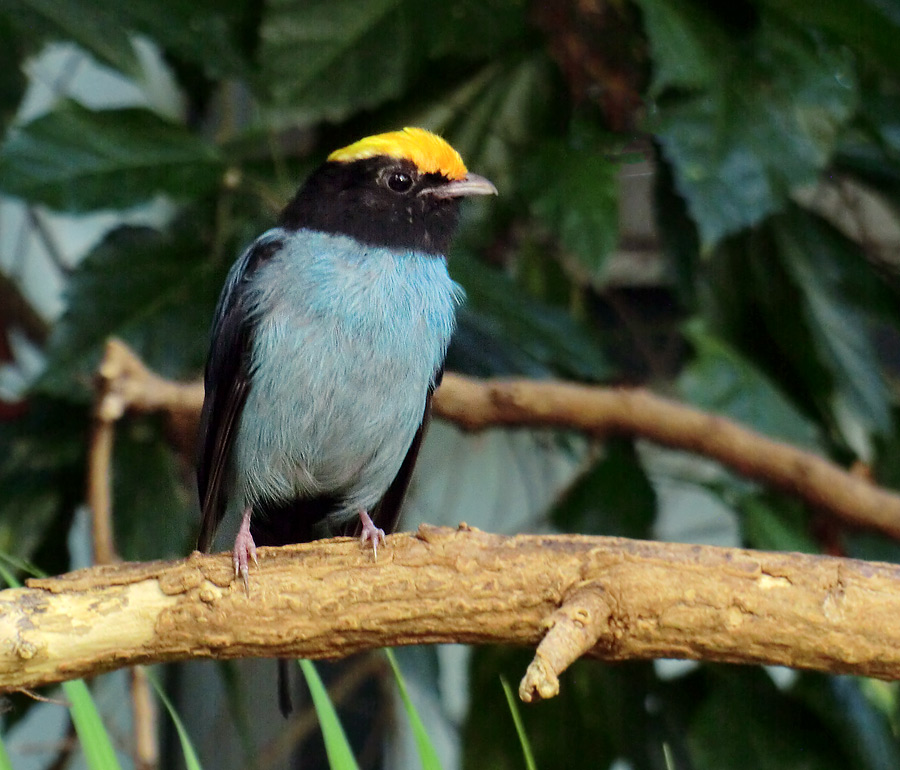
(370, 533)
(244, 552)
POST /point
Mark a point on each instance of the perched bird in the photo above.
(328, 341)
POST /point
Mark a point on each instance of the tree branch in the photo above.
(474, 404)
(599, 411)
(610, 598)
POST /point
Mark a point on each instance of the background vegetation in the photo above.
(698, 197)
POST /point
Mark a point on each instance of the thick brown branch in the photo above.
(612, 598)
(474, 404)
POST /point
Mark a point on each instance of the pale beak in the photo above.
(470, 184)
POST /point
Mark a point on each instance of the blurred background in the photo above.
(697, 197)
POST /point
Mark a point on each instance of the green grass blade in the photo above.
(8, 577)
(5, 763)
(20, 564)
(520, 728)
(191, 762)
(340, 757)
(427, 754)
(95, 742)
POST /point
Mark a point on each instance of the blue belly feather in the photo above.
(347, 340)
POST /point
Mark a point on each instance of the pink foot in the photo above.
(370, 533)
(244, 551)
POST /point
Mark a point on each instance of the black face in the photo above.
(379, 201)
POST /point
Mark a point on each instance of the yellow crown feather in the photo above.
(430, 153)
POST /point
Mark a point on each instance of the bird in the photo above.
(327, 344)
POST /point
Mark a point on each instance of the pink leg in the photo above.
(244, 551)
(370, 533)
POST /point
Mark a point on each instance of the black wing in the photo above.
(227, 383)
(386, 513)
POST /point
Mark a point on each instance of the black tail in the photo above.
(285, 704)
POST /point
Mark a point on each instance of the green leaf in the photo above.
(740, 725)
(869, 163)
(678, 237)
(77, 159)
(12, 76)
(498, 117)
(857, 712)
(30, 508)
(575, 193)
(95, 740)
(600, 715)
(156, 291)
(614, 497)
(878, 111)
(686, 44)
(775, 523)
(746, 293)
(42, 460)
(719, 379)
(766, 126)
(825, 266)
(206, 33)
(503, 330)
(869, 26)
(95, 26)
(887, 464)
(476, 28)
(328, 58)
(154, 515)
(869, 546)
(191, 760)
(427, 753)
(527, 754)
(340, 757)
(796, 298)
(870, 152)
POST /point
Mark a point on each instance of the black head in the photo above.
(383, 201)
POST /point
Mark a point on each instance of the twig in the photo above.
(145, 714)
(474, 405)
(125, 383)
(99, 495)
(41, 698)
(99, 500)
(611, 598)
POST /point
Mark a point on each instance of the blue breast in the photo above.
(348, 339)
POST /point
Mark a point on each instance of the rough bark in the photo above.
(610, 598)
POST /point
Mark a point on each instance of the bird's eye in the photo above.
(399, 182)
